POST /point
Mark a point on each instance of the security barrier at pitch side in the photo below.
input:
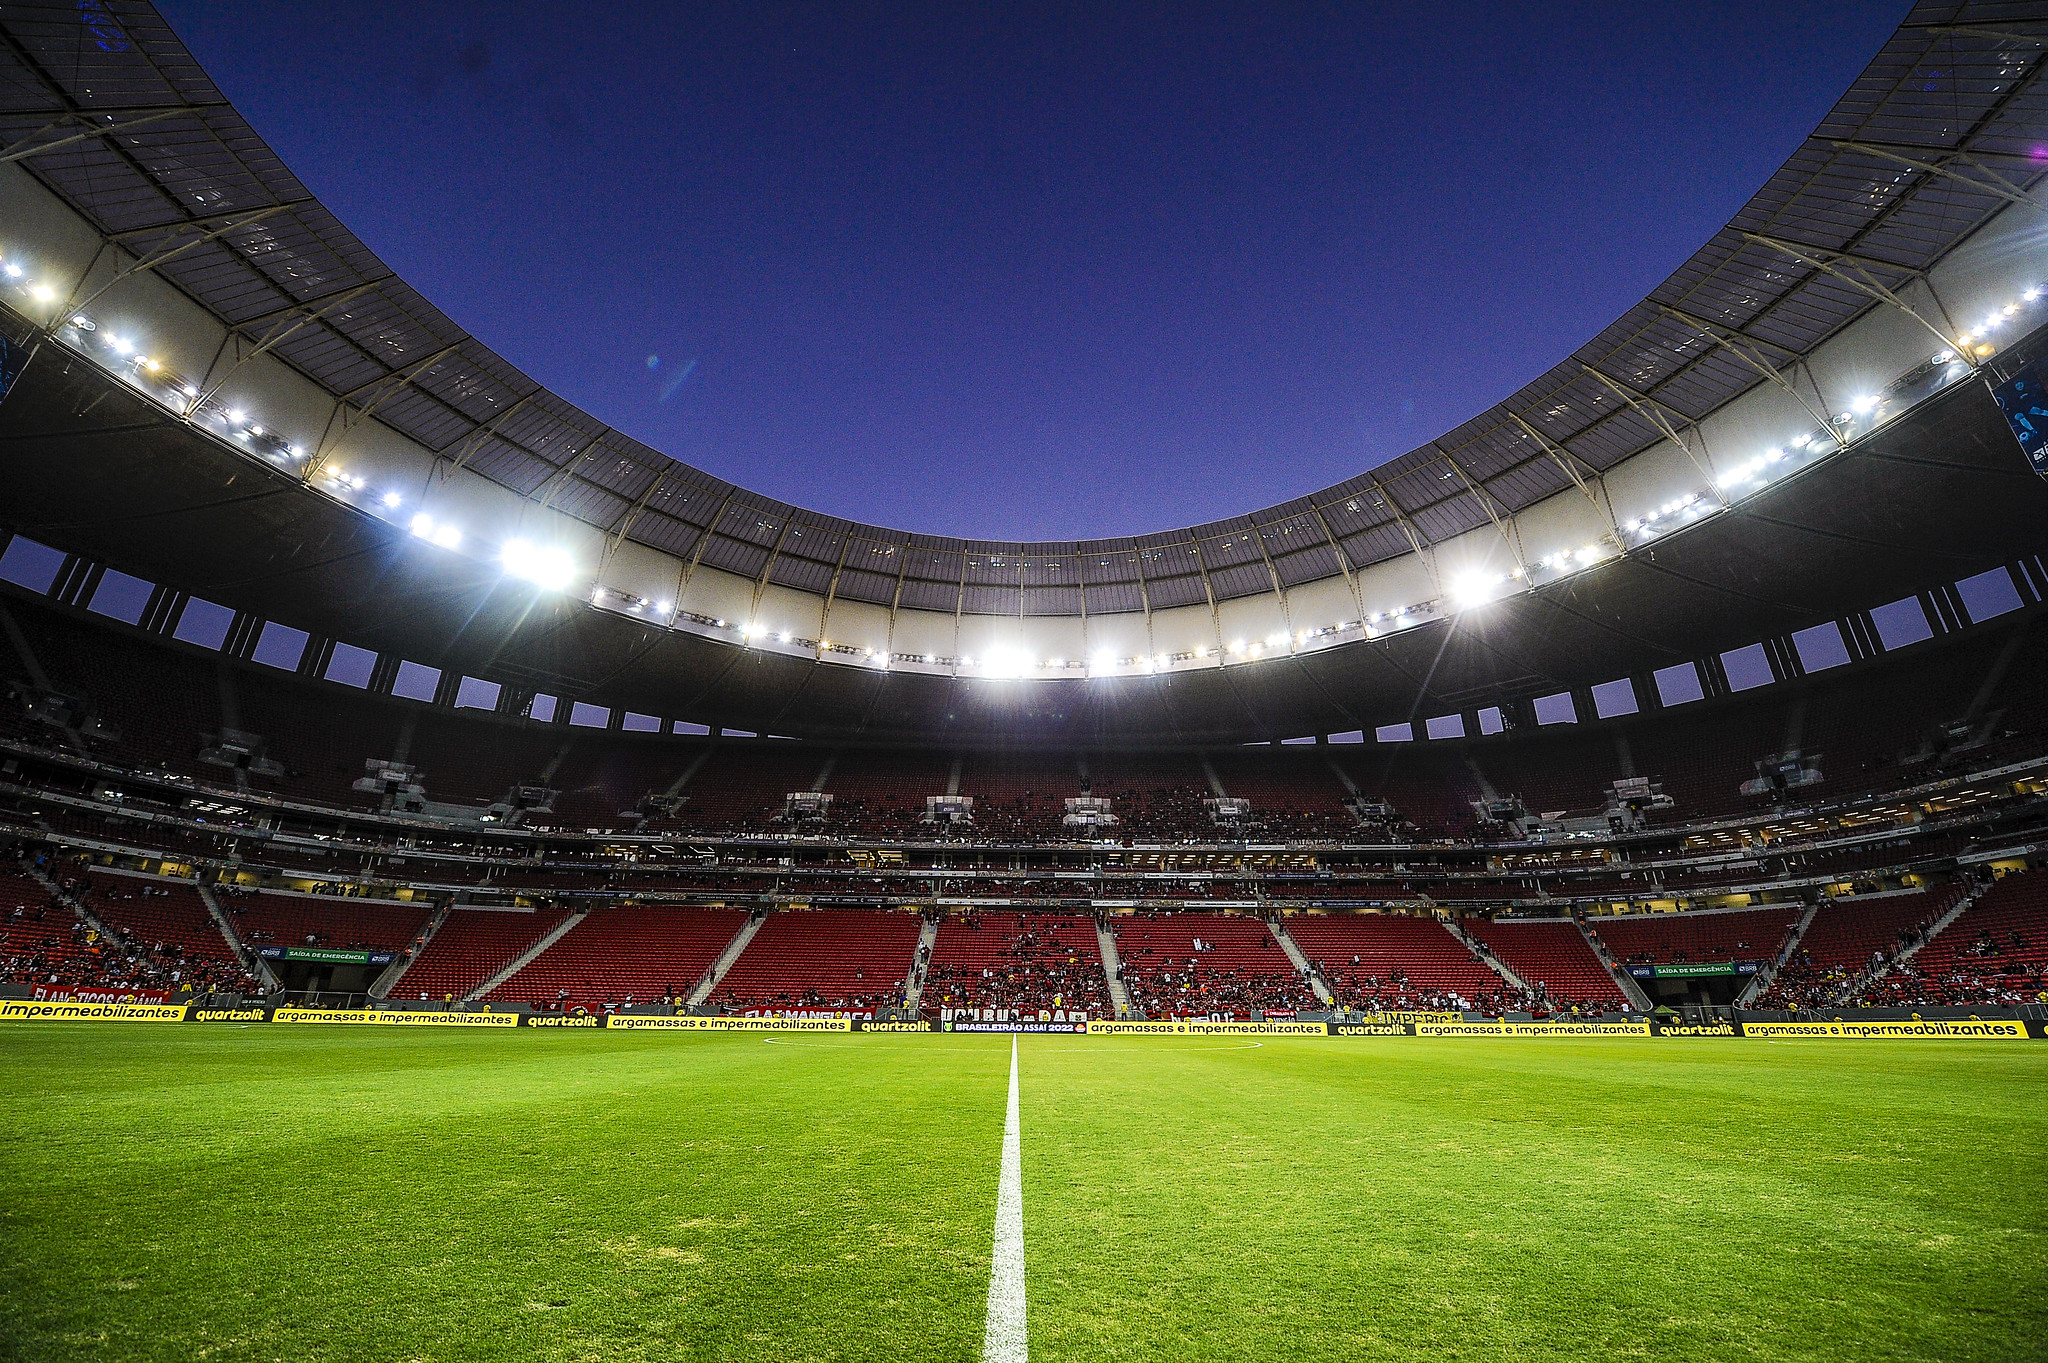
(1427, 1025)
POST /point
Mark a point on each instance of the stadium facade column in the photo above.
(243, 632)
(383, 674)
(1783, 656)
(1648, 697)
(164, 609)
(314, 658)
(1583, 705)
(1859, 636)
(1944, 609)
(77, 579)
(446, 688)
(2029, 579)
(513, 700)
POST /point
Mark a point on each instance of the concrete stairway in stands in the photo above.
(1486, 957)
(732, 951)
(1864, 979)
(920, 962)
(77, 906)
(518, 963)
(1301, 965)
(382, 986)
(1626, 982)
(251, 962)
(1112, 969)
(1761, 981)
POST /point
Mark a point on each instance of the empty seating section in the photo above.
(326, 921)
(1714, 935)
(1551, 956)
(1385, 960)
(1025, 961)
(628, 952)
(823, 958)
(1238, 966)
(471, 946)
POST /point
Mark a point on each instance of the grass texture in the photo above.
(228, 1193)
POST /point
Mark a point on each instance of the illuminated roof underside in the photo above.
(107, 109)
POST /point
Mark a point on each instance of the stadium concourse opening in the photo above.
(472, 887)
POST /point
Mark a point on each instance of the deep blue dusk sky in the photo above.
(1027, 271)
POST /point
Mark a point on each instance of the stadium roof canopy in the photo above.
(108, 111)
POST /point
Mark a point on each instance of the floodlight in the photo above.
(544, 565)
(392, 499)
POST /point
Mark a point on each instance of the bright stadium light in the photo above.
(392, 499)
(1473, 589)
(448, 536)
(544, 565)
(1005, 662)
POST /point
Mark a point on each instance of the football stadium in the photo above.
(476, 887)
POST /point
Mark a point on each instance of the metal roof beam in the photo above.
(17, 152)
(1860, 280)
(1993, 184)
(1653, 412)
(1749, 351)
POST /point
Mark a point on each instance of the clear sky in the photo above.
(1034, 271)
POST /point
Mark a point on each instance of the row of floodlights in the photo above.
(553, 568)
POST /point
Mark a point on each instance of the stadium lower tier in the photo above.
(69, 928)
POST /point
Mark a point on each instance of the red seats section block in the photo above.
(1663, 938)
(262, 920)
(823, 958)
(1551, 955)
(1379, 960)
(470, 947)
(1030, 962)
(1239, 966)
(621, 953)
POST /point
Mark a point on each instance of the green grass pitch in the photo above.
(190, 1192)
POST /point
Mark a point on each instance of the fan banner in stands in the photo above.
(78, 993)
(647, 1022)
(66, 1010)
(1030, 1027)
(827, 1013)
(1394, 1015)
(1502, 1027)
(327, 956)
(395, 1017)
(1915, 1029)
(250, 1013)
(1195, 1027)
(870, 1025)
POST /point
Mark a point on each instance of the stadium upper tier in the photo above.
(1779, 419)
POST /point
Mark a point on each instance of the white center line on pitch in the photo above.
(1004, 1339)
